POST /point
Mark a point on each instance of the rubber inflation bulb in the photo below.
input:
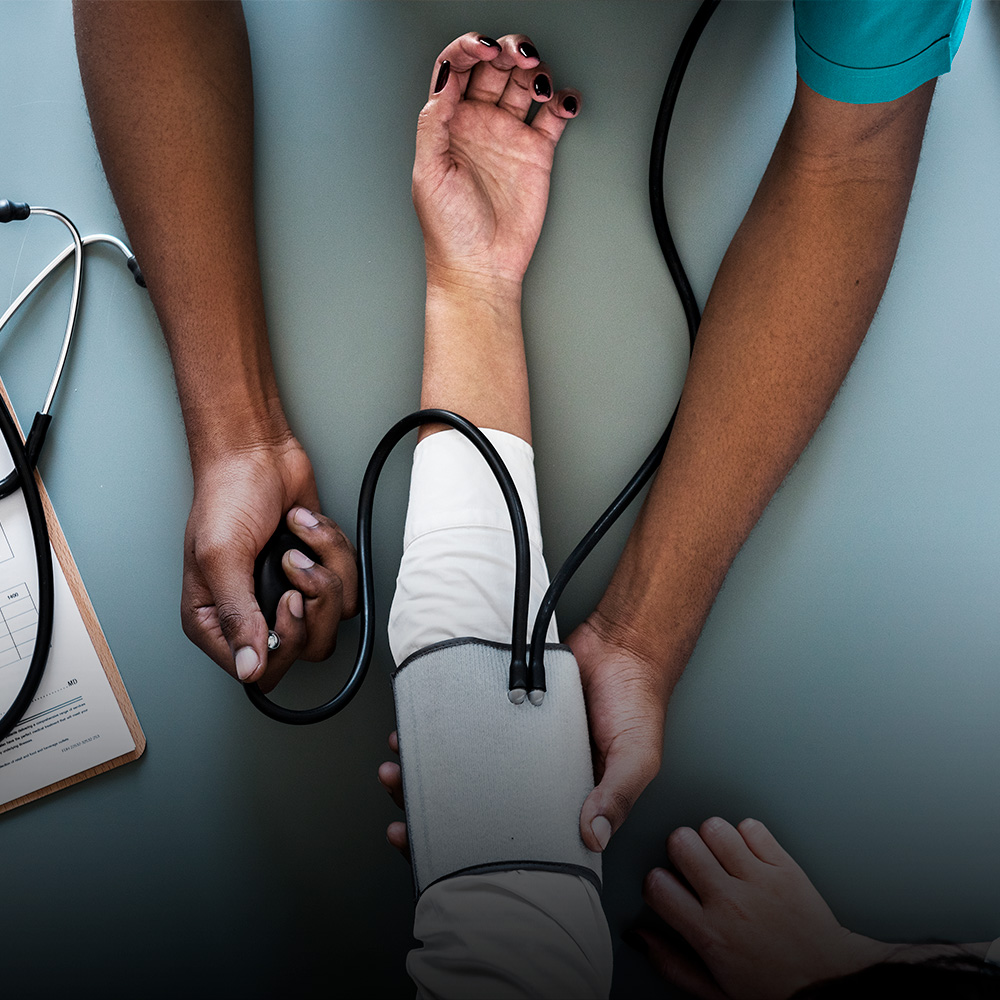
(269, 578)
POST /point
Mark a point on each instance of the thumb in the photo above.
(628, 769)
(433, 138)
(448, 81)
(230, 582)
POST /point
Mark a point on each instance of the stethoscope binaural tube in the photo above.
(9, 212)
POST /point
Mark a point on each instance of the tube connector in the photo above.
(11, 211)
(517, 687)
(133, 266)
(36, 437)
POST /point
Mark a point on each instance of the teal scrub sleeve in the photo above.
(870, 51)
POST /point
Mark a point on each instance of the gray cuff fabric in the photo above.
(489, 785)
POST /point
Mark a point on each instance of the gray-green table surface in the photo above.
(846, 688)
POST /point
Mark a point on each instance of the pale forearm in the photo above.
(474, 354)
(791, 304)
(170, 96)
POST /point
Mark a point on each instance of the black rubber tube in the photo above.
(32, 449)
(536, 670)
(366, 641)
(46, 583)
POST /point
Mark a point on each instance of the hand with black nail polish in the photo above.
(481, 174)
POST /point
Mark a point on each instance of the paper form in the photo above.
(74, 722)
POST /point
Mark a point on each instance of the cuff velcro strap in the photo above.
(489, 785)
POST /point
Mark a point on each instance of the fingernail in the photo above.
(299, 559)
(295, 605)
(570, 104)
(602, 830)
(442, 79)
(247, 661)
(304, 517)
(542, 86)
(489, 42)
(528, 50)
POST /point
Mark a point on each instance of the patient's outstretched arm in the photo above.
(480, 186)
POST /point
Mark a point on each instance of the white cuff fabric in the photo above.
(456, 577)
(511, 935)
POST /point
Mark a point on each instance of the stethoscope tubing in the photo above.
(40, 425)
(55, 262)
(43, 560)
(24, 453)
(692, 316)
(74, 302)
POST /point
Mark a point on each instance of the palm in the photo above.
(626, 702)
(238, 502)
(482, 210)
(624, 707)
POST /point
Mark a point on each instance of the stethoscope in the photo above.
(25, 454)
(527, 671)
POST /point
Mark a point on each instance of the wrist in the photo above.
(608, 636)
(632, 616)
(463, 286)
(664, 585)
(218, 434)
(226, 386)
(474, 303)
(859, 952)
(916, 953)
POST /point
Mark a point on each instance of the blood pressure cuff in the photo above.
(489, 785)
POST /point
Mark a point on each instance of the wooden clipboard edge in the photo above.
(101, 647)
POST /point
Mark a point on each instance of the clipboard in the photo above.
(100, 645)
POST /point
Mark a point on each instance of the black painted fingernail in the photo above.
(528, 50)
(542, 86)
(569, 103)
(442, 79)
(489, 42)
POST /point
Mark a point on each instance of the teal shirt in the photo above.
(869, 51)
